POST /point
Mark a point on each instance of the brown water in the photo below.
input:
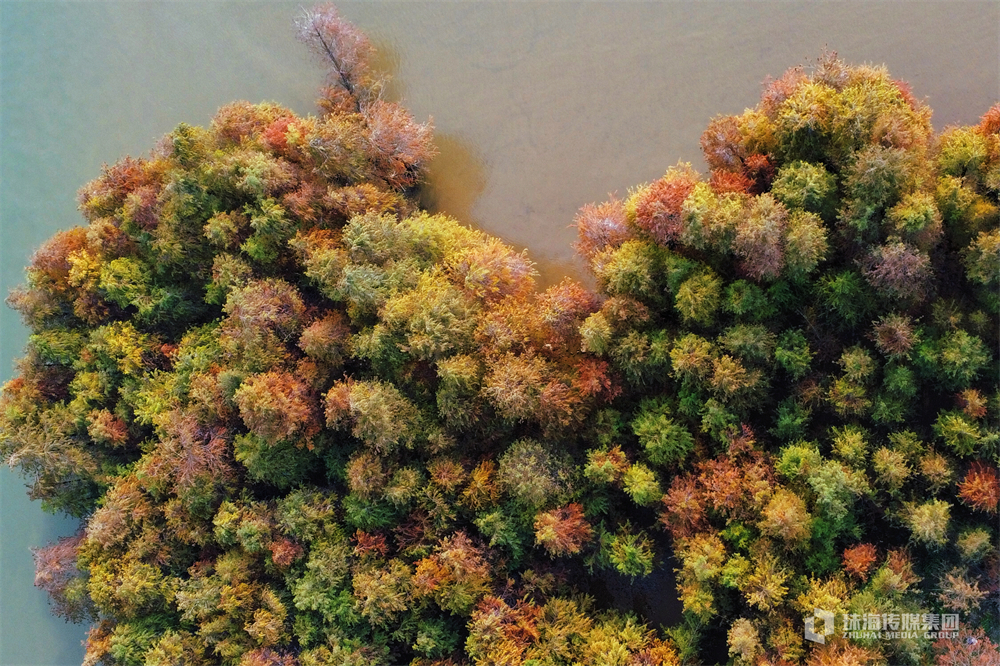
(540, 107)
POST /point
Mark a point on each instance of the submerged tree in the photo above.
(306, 423)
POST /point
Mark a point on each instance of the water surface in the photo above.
(540, 107)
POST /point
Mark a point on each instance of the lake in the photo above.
(539, 107)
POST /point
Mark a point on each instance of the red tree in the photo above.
(658, 210)
(601, 226)
(970, 648)
(338, 44)
(56, 572)
(859, 559)
(563, 531)
(980, 488)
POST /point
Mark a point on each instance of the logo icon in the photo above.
(811, 633)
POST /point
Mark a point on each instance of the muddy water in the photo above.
(540, 107)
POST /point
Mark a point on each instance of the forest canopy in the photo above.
(304, 422)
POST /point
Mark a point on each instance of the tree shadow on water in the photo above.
(456, 178)
(653, 598)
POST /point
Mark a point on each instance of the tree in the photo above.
(980, 488)
(563, 531)
(340, 46)
(456, 576)
(57, 572)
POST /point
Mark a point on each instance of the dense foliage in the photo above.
(306, 423)
(809, 337)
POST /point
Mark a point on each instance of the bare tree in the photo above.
(340, 46)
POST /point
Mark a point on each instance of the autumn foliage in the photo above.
(304, 422)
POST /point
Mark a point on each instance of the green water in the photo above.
(539, 108)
